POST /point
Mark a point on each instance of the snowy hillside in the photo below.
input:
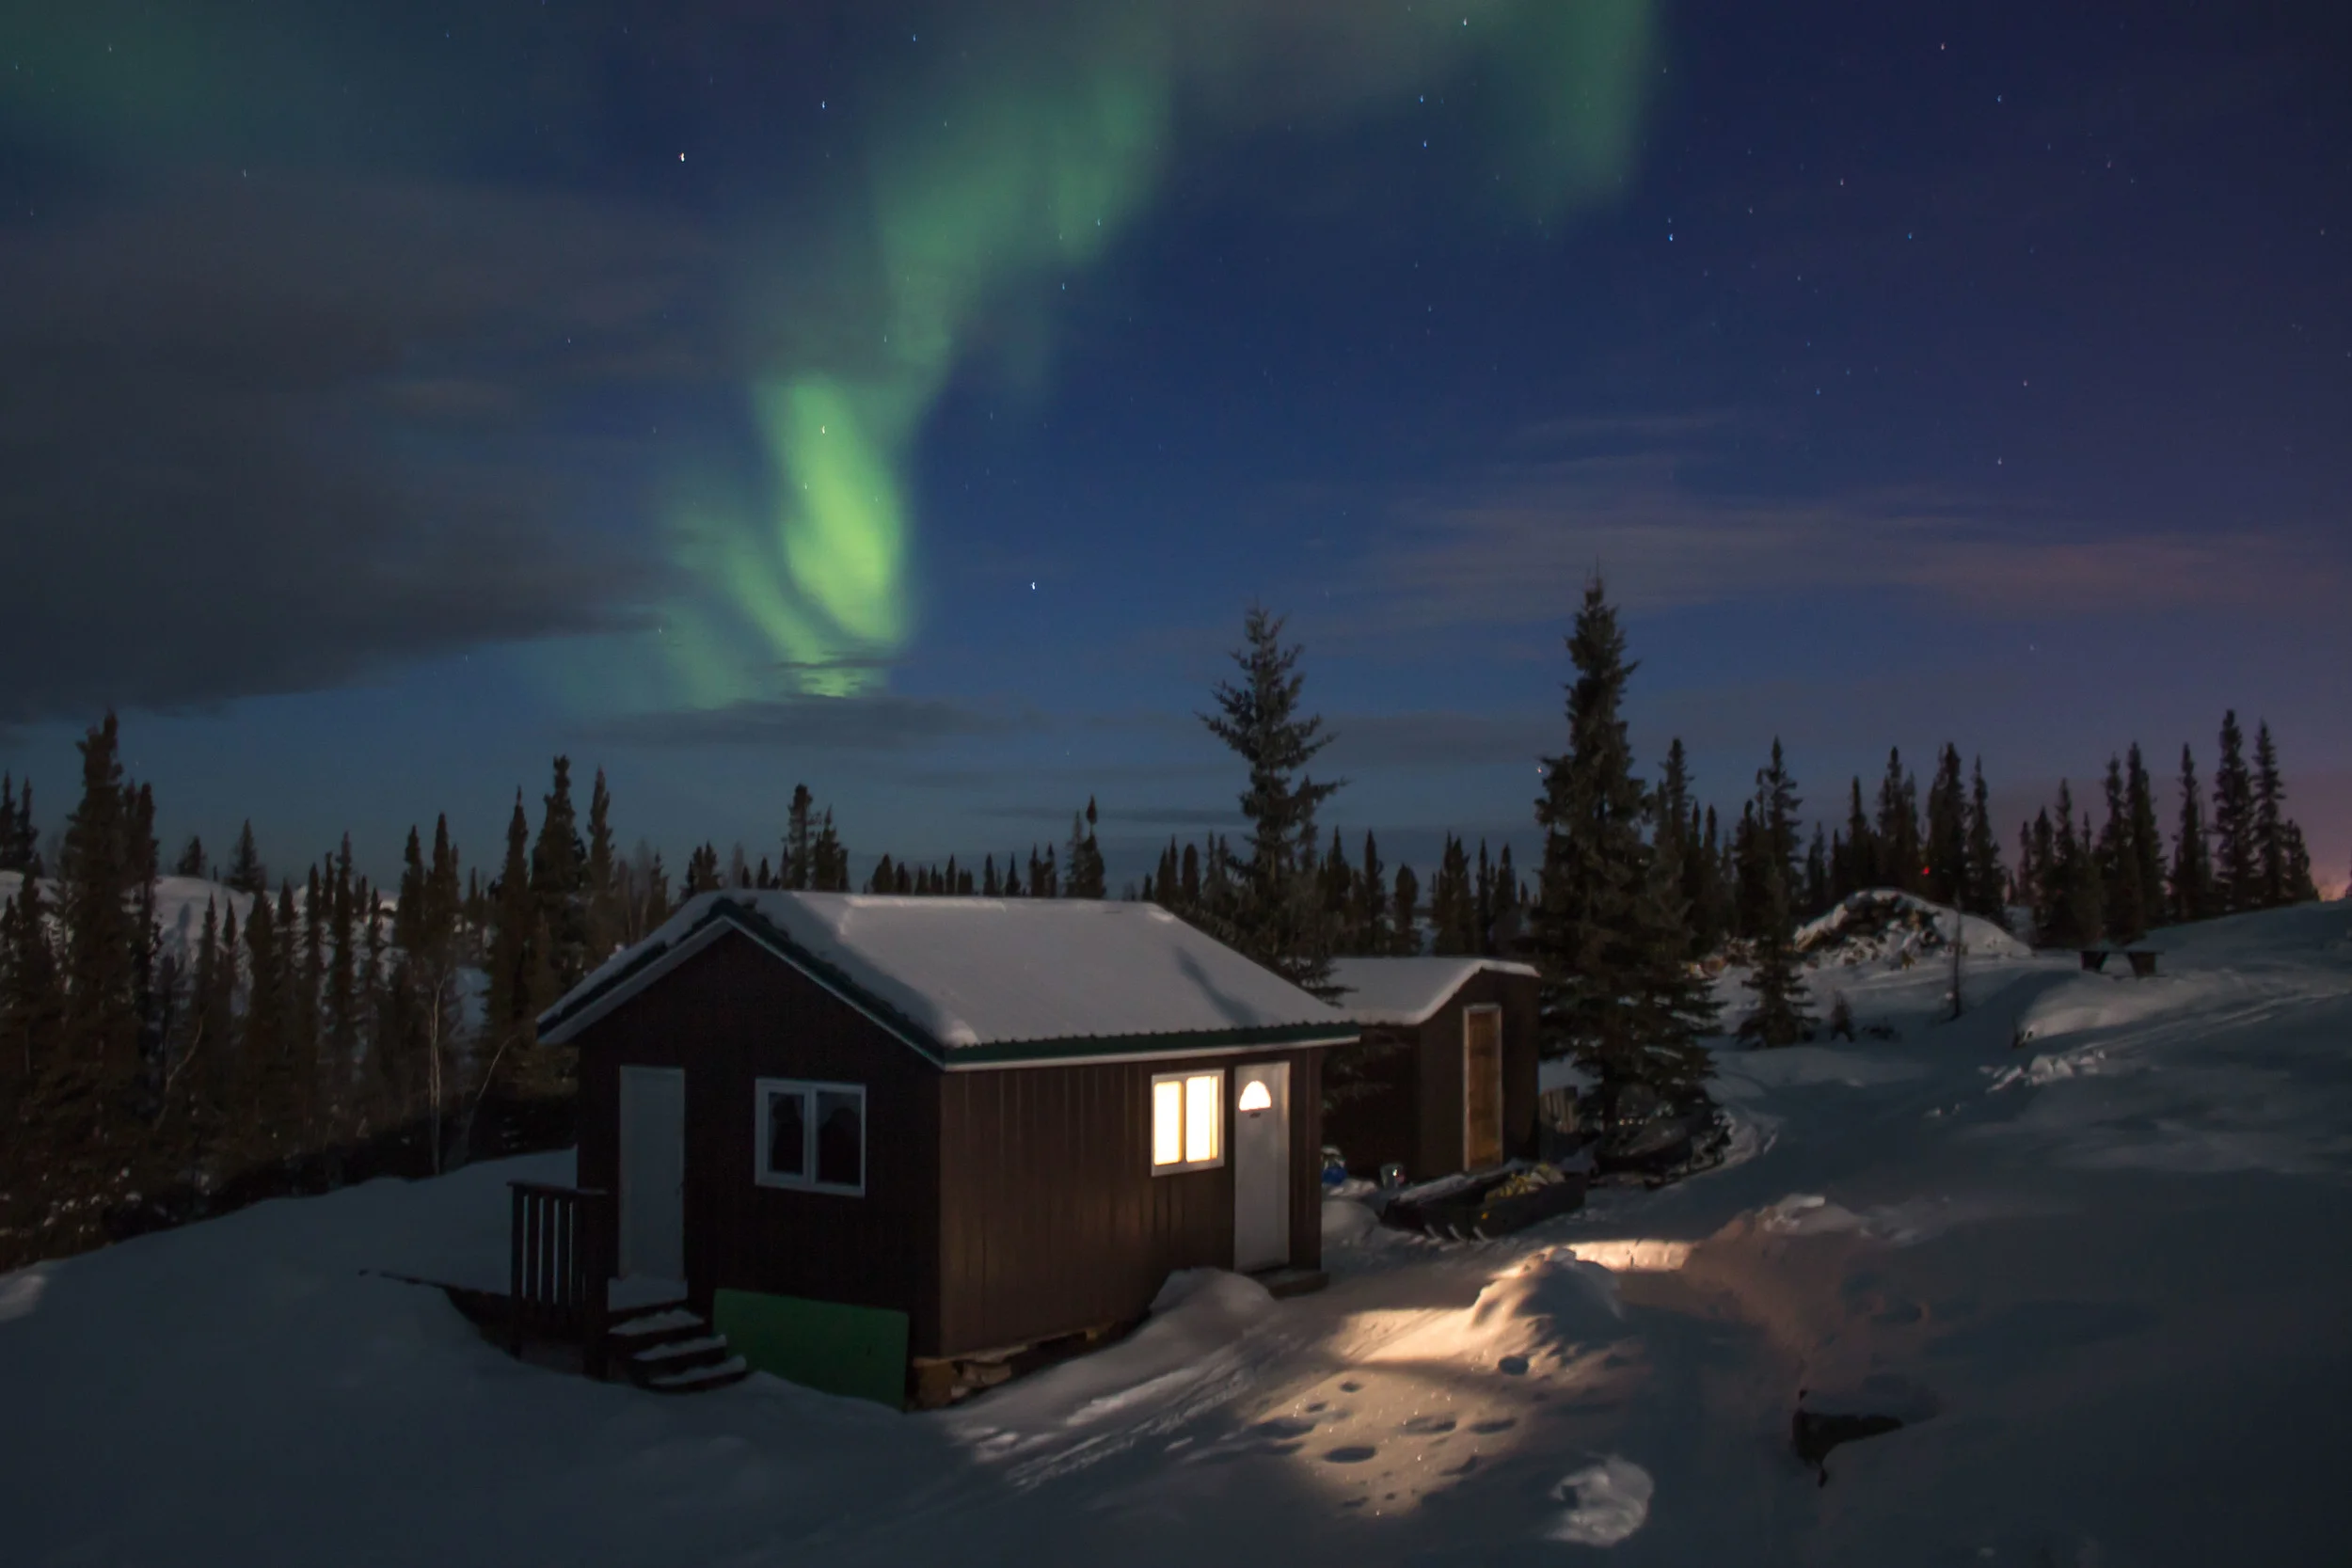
(2099, 1279)
(1885, 926)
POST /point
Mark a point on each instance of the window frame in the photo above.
(1183, 1077)
(764, 1091)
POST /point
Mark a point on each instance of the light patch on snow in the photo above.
(1609, 1501)
(1632, 1256)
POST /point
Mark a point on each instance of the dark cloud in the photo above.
(263, 437)
(874, 723)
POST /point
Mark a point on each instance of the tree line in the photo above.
(307, 1014)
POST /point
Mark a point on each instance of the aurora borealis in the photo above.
(908, 399)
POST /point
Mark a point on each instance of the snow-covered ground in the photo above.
(2103, 1278)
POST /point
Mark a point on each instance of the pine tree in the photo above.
(2269, 844)
(1277, 919)
(1779, 1017)
(2143, 838)
(2301, 887)
(2236, 869)
(1987, 897)
(1947, 846)
(32, 1019)
(191, 861)
(2194, 896)
(1189, 884)
(246, 871)
(2121, 902)
(1706, 892)
(990, 886)
(702, 870)
(885, 878)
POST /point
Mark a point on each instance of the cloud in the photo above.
(1516, 544)
(266, 437)
(880, 722)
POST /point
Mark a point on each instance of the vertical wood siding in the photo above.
(1414, 1117)
(1051, 1219)
(728, 1016)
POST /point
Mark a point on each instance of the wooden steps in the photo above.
(669, 1348)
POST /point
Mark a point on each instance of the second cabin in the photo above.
(1445, 1077)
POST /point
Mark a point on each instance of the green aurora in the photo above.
(996, 161)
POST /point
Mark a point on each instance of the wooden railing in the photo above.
(560, 1276)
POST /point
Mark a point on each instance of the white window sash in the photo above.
(764, 1093)
(1185, 1126)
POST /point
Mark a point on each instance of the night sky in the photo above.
(908, 398)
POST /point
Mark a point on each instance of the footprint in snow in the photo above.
(1353, 1454)
(1283, 1427)
(1351, 1387)
(1512, 1366)
(1489, 1428)
(1429, 1426)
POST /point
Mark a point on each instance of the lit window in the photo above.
(1187, 1121)
(810, 1136)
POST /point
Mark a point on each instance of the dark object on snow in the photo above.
(1657, 1142)
(1479, 1207)
(2143, 960)
(1813, 1433)
(1841, 1020)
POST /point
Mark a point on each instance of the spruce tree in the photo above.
(1898, 837)
(800, 840)
(1863, 852)
(1596, 933)
(513, 1003)
(2269, 836)
(1779, 1017)
(604, 921)
(1816, 899)
(1374, 931)
(1404, 915)
(1988, 893)
(2301, 887)
(276, 1129)
(1277, 918)
(2194, 896)
(559, 881)
(990, 886)
(702, 870)
(246, 871)
(2143, 838)
(1189, 884)
(2236, 869)
(342, 1037)
(1946, 847)
(829, 859)
(1086, 879)
(1450, 907)
(191, 861)
(2121, 902)
(87, 1095)
(1705, 894)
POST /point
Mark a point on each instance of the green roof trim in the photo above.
(1186, 1044)
(996, 1053)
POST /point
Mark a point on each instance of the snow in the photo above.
(974, 971)
(1884, 925)
(2104, 1298)
(1407, 991)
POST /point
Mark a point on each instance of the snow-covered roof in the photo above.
(1408, 991)
(986, 979)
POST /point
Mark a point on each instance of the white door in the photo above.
(653, 1172)
(1262, 1167)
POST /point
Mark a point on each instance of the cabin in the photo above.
(1444, 1079)
(962, 1126)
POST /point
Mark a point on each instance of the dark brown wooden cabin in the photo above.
(1444, 1079)
(954, 1108)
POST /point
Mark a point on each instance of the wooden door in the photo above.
(1262, 1165)
(1481, 1087)
(653, 1173)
